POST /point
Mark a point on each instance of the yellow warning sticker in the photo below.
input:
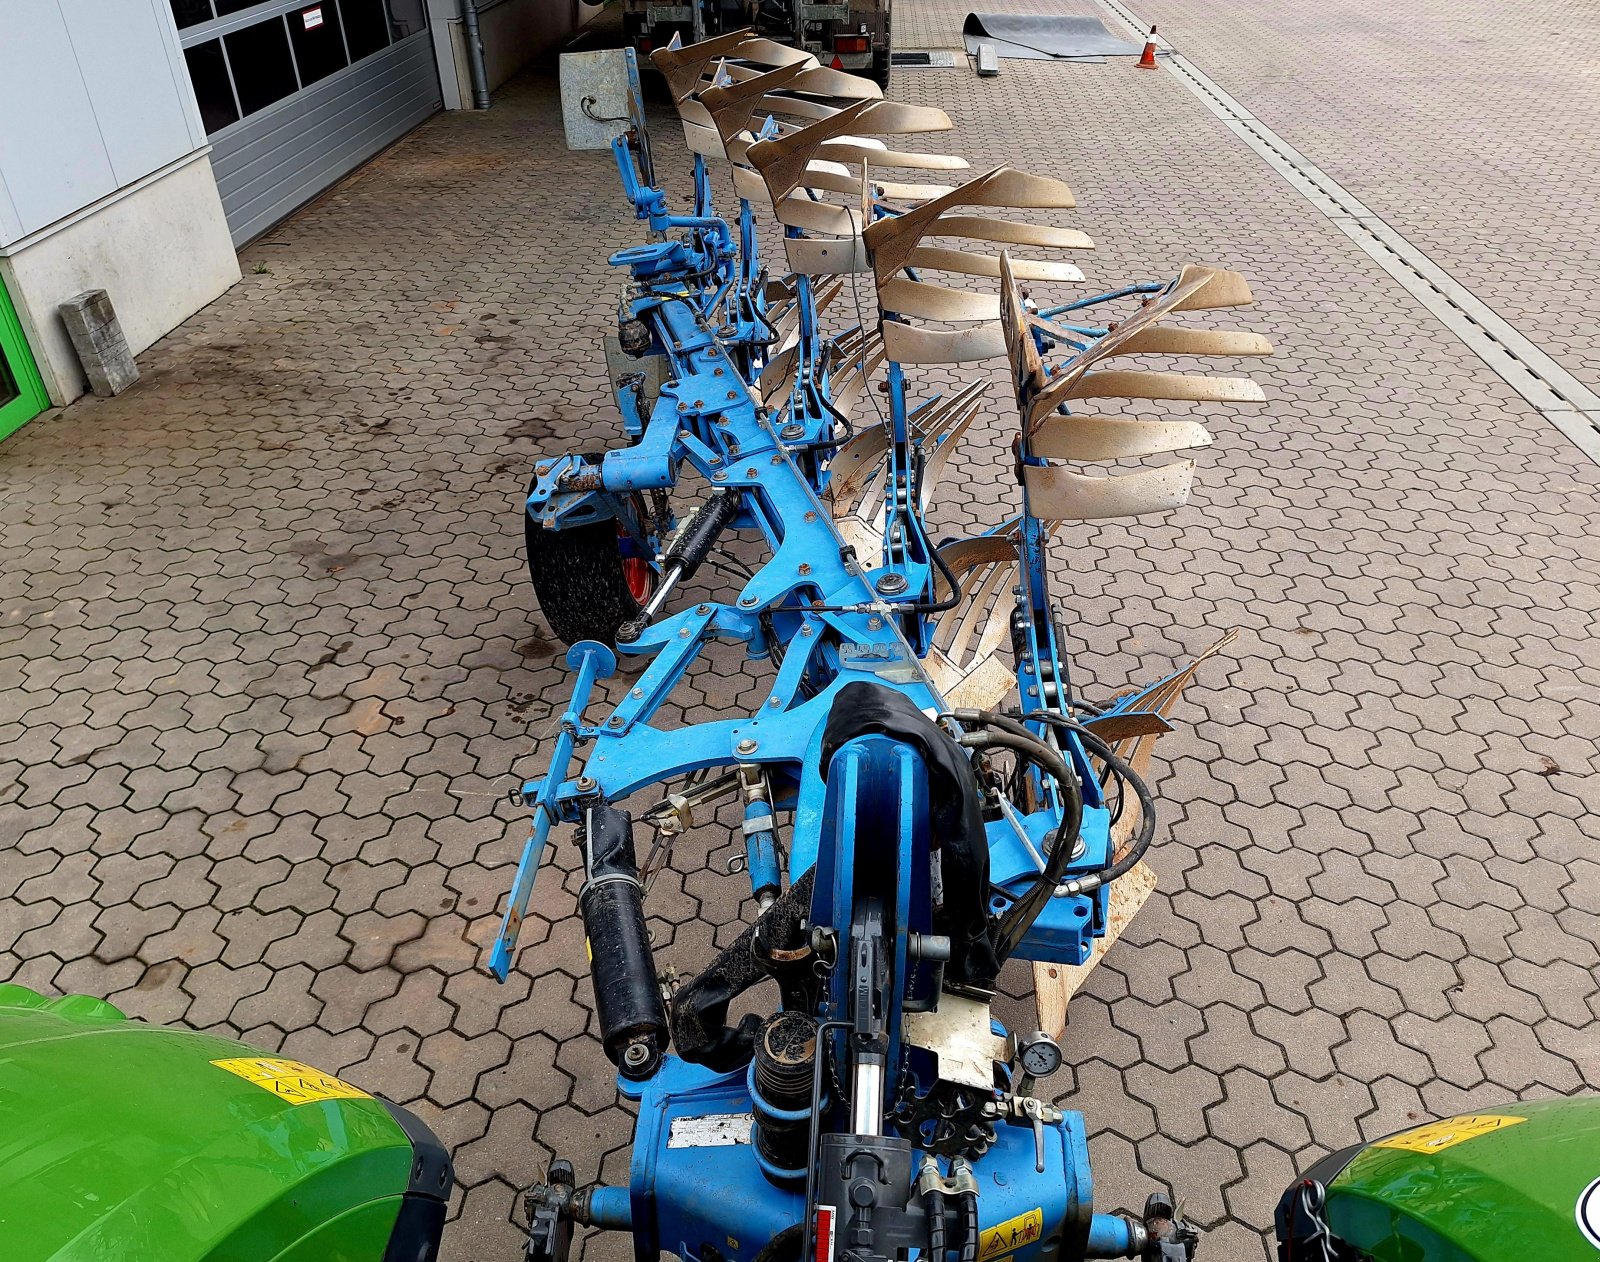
(1024, 1229)
(1437, 1136)
(290, 1080)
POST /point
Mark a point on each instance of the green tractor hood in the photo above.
(121, 1140)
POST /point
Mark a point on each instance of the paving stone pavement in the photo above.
(1470, 127)
(268, 660)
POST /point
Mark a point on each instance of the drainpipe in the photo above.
(475, 66)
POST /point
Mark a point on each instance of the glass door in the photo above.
(22, 395)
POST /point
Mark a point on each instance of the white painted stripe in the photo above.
(1550, 389)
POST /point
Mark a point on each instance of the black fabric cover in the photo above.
(862, 709)
(700, 1029)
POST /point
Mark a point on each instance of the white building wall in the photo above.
(104, 182)
(513, 32)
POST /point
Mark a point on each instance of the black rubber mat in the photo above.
(1045, 36)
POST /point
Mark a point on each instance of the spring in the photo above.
(780, 1089)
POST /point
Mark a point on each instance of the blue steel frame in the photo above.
(700, 290)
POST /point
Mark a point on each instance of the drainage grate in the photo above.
(923, 61)
(1550, 389)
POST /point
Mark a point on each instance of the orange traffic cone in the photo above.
(1147, 59)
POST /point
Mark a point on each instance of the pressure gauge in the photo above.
(1038, 1054)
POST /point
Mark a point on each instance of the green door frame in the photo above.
(16, 360)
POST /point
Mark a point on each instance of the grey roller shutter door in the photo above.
(273, 161)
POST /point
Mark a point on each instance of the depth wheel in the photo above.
(586, 588)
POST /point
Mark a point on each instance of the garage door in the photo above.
(296, 95)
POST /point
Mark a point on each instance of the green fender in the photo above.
(1509, 1184)
(126, 1141)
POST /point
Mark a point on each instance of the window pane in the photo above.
(8, 383)
(318, 45)
(262, 70)
(233, 6)
(188, 12)
(366, 27)
(209, 75)
(407, 17)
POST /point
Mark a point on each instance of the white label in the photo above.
(710, 1130)
(312, 18)
(1588, 1213)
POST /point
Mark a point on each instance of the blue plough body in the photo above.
(869, 813)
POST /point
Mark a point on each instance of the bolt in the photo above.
(616, 721)
(636, 1055)
(792, 431)
(683, 407)
(637, 693)
(1032, 691)
(874, 623)
(732, 394)
(585, 784)
(746, 601)
(806, 630)
(717, 372)
(776, 459)
(715, 459)
(699, 403)
(684, 634)
(750, 472)
(892, 584)
(702, 610)
(721, 475)
(810, 516)
(746, 746)
(774, 703)
(805, 568)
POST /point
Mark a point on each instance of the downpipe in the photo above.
(475, 63)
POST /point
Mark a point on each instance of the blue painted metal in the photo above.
(820, 614)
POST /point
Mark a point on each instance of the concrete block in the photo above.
(97, 337)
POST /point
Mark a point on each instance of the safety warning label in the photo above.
(1012, 1234)
(1436, 1136)
(290, 1080)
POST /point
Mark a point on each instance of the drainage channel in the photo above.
(1550, 390)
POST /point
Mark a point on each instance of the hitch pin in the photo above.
(592, 661)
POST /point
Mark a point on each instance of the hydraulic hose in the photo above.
(1009, 734)
(933, 1206)
(1130, 778)
(969, 1227)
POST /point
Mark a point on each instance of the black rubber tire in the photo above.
(880, 69)
(577, 576)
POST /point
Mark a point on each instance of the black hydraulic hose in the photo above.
(969, 1227)
(1009, 734)
(1130, 778)
(933, 1206)
(956, 594)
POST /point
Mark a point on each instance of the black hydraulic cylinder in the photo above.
(687, 553)
(627, 994)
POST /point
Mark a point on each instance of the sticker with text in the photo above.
(291, 1081)
(1437, 1136)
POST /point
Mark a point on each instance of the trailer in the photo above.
(853, 35)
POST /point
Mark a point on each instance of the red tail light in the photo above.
(851, 43)
(645, 45)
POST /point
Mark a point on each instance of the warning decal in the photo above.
(1024, 1229)
(290, 1080)
(1437, 1136)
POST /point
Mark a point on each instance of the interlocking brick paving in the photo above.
(268, 660)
